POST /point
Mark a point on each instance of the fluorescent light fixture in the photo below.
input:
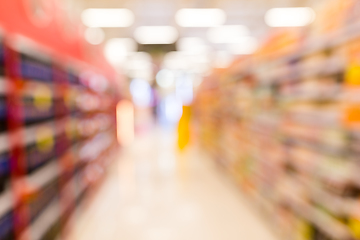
(192, 45)
(107, 17)
(182, 60)
(139, 60)
(165, 78)
(200, 17)
(139, 65)
(227, 33)
(117, 49)
(156, 35)
(175, 61)
(244, 46)
(290, 17)
(94, 36)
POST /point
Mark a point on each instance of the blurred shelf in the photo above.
(329, 225)
(4, 142)
(331, 40)
(3, 85)
(44, 175)
(50, 215)
(6, 202)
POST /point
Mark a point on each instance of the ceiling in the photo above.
(162, 12)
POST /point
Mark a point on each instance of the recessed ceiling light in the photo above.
(175, 61)
(245, 46)
(227, 33)
(156, 35)
(117, 49)
(290, 17)
(107, 17)
(200, 17)
(192, 45)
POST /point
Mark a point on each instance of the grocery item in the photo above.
(290, 138)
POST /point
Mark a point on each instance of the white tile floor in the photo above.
(154, 193)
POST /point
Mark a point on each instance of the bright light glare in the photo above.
(141, 92)
(173, 108)
(94, 36)
(227, 34)
(117, 49)
(174, 60)
(245, 46)
(184, 89)
(125, 122)
(156, 35)
(223, 59)
(138, 61)
(139, 65)
(107, 17)
(185, 60)
(192, 45)
(200, 17)
(290, 17)
(165, 78)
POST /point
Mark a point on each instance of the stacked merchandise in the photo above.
(287, 128)
(56, 138)
(206, 116)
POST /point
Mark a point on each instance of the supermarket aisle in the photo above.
(153, 194)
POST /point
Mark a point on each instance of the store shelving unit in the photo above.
(56, 138)
(290, 136)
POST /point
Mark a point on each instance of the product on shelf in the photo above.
(49, 110)
(3, 89)
(4, 162)
(35, 68)
(54, 142)
(7, 226)
(4, 145)
(285, 124)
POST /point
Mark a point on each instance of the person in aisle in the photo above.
(184, 128)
